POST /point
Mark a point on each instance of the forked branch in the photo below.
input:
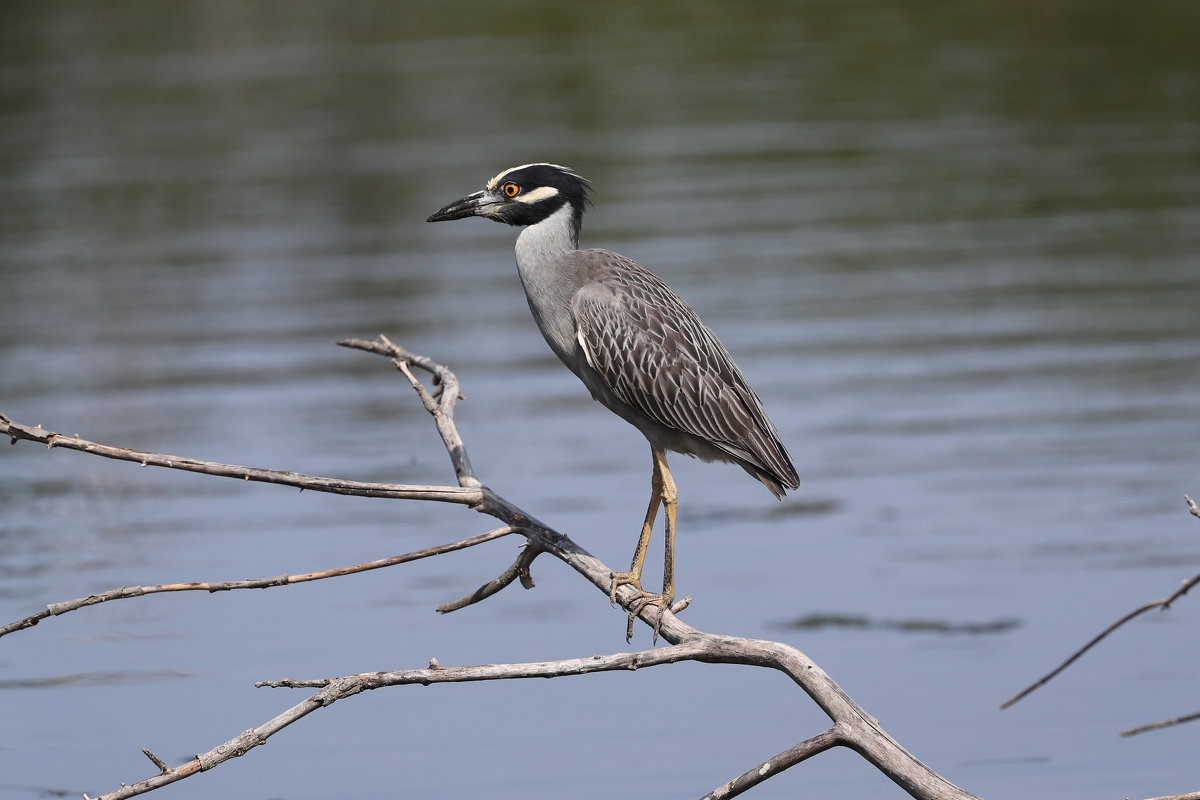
(851, 726)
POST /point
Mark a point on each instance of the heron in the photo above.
(638, 347)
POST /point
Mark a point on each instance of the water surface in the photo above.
(954, 246)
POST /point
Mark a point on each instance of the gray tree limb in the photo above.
(851, 727)
(125, 592)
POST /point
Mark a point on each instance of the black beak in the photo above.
(466, 207)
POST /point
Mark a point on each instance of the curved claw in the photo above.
(639, 603)
(620, 579)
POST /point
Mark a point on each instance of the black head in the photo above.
(523, 195)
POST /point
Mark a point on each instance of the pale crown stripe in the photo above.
(494, 182)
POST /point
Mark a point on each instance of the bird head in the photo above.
(524, 195)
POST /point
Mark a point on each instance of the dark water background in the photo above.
(953, 244)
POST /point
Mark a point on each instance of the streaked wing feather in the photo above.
(654, 353)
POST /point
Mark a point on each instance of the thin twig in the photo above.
(334, 689)
(518, 569)
(237, 746)
(1164, 604)
(1166, 723)
(1078, 653)
(56, 609)
(440, 673)
(442, 410)
(395, 491)
(773, 766)
(156, 761)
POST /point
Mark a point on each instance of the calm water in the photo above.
(954, 245)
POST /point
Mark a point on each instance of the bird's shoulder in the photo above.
(618, 297)
(621, 285)
(632, 326)
(652, 351)
(603, 271)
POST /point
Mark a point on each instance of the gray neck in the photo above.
(549, 277)
(546, 241)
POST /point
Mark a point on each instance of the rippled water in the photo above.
(954, 245)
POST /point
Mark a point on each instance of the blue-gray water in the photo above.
(954, 246)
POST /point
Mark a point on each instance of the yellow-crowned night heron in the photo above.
(640, 349)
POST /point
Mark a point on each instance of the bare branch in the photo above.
(518, 569)
(1163, 604)
(1166, 723)
(852, 726)
(442, 410)
(858, 731)
(395, 491)
(1078, 653)
(334, 689)
(235, 747)
(773, 766)
(439, 673)
(156, 761)
(124, 592)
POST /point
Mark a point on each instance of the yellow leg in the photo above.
(634, 576)
(662, 492)
(670, 501)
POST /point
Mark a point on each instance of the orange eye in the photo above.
(510, 189)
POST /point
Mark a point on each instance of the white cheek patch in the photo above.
(536, 195)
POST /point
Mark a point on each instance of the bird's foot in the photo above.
(664, 601)
(635, 606)
(638, 603)
(620, 579)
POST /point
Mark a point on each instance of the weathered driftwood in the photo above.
(851, 726)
